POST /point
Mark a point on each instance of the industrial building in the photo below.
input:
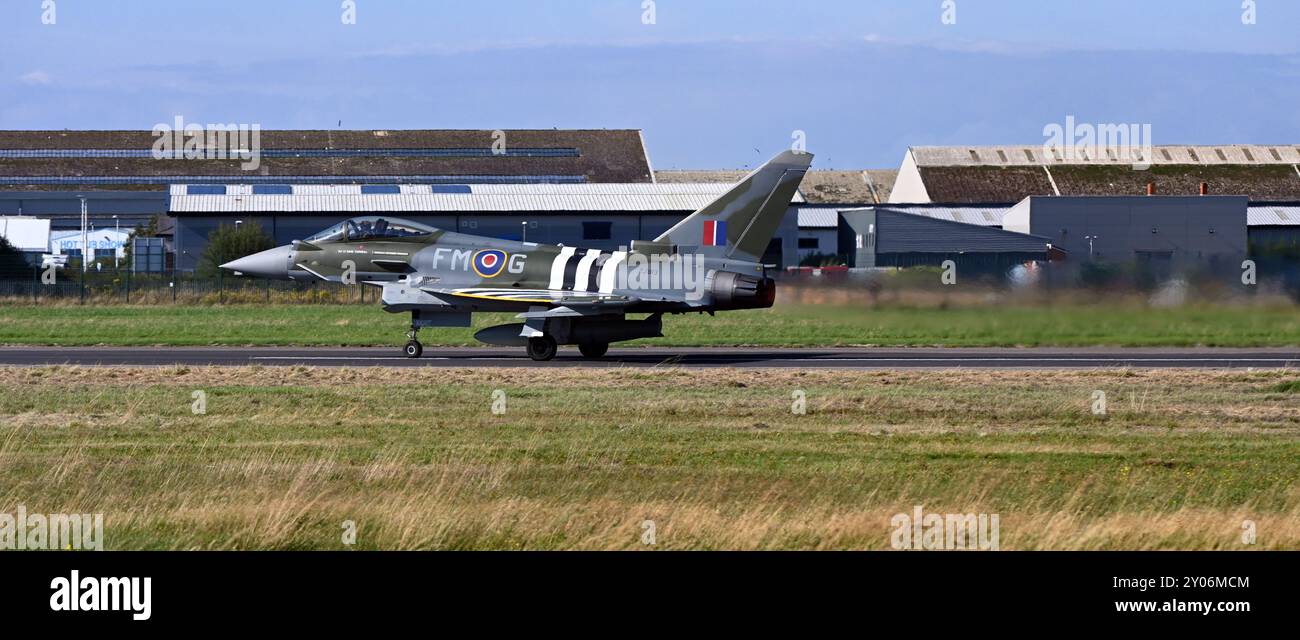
(27, 235)
(1156, 230)
(1265, 224)
(590, 187)
(597, 188)
(1183, 204)
(888, 237)
(1009, 174)
(127, 160)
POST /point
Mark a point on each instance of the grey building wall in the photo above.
(878, 236)
(827, 241)
(1180, 229)
(63, 209)
(1266, 238)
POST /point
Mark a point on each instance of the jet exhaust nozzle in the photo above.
(733, 290)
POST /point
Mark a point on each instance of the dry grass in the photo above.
(715, 458)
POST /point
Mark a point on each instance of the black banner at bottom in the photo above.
(306, 590)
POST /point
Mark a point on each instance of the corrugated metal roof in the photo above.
(483, 198)
(1035, 154)
(813, 218)
(901, 232)
(1256, 215)
(1272, 216)
(983, 216)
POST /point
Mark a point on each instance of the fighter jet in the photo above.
(711, 261)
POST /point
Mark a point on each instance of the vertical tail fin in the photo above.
(741, 223)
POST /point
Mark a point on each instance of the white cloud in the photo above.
(35, 77)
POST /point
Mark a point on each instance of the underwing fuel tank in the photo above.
(503, 335)
(576, 331)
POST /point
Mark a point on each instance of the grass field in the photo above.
(581, 459)
(785, 325)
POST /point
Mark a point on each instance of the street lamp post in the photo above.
(1090, 239)
(117, 233)
(84, 224)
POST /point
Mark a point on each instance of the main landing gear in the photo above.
(593, 350)
(542, 348)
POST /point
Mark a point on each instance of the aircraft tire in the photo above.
(593, 350)
(413, 349)
(542, 348)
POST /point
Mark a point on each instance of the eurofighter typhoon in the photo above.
(710, 261)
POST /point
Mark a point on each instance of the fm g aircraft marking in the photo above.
(710, 261)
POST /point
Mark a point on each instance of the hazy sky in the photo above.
(713, 83)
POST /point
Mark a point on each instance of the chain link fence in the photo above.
(63, 286)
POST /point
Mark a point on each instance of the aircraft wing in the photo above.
(576, 300)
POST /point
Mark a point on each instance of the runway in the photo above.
(752, 357)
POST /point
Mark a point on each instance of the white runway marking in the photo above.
(1042, 359)
(368, 358)
(614, 358)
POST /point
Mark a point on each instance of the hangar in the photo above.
(1267, 227)
(124, 182)
(126, 160)
(590, 187)
(1189, 203)
(598, 188)
(889, 237)
(1009, 174)
(1159, 230)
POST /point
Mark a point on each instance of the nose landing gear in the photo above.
(413, 348)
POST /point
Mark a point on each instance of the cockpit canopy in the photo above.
(370, 228)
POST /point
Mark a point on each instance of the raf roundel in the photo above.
(489, 262)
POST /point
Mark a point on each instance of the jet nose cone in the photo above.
(272, 263)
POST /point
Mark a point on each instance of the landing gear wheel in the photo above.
(414, 349)
(542, 348)
(593, 350)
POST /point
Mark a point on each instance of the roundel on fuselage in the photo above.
(488, 263)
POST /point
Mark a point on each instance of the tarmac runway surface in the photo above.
(702, 357)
